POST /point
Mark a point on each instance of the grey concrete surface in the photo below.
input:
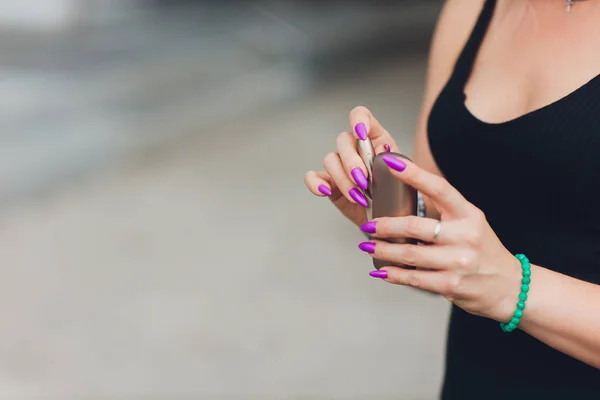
(207, 271)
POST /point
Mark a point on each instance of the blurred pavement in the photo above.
(200, 267)
(208, 271)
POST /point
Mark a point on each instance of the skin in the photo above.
(468, 264)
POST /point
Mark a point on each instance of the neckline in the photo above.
(529, 114)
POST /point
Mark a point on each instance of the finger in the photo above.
(433, 186)
(353, 164)
(366, 125)
(430, 257)
(316, 183)
(386, 148)
(335, 169)
(413, 227)
(440, 282)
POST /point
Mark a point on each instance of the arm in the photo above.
(561, 311)
(564, 313)
(453, 28)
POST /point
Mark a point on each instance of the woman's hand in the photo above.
(345, 173)
(465, 262)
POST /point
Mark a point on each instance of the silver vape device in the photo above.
(388, 196)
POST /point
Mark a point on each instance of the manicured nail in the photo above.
(369, 227)
(361, 131)
(360, 178)
(394, 163)
(367, 247)
(379, 274)
(325, 190)
(358, 197)
(387, 148)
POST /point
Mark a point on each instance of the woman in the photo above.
(506, 156)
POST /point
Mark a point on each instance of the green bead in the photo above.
(526, 280)
(523, 296)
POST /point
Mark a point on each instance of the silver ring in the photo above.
(437, 230)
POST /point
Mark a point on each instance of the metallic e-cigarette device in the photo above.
(387, 195)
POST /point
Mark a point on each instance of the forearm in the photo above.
(564, 313)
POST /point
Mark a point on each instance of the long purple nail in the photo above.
(361, 131)
(325, 190)
(358, 197)
(360, 178)
(394, 162)
(368, 247)
(379, 274)
(369, 227)
(387, 148)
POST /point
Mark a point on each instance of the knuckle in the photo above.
(383, 226)
(413, 225)
(359, 109)
(330, 159)
(452, 286)
(341, 138)
(478, 215)
(413, 279)
(409, 255)
(382, 252)
(309, 177)
(464, 262)
(472, 237)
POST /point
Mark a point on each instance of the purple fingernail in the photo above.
(387, 148)
(361, 131)
(369, 227)
(358, 197)
(379, 274)
(325, 190)
(360, 178)
(368, 247)
(394, 162)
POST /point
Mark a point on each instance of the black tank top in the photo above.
(536, 179)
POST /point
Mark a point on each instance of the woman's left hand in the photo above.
(466, 262)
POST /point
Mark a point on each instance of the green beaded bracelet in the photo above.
(525, 282)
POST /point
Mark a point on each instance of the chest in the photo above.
(530, 59)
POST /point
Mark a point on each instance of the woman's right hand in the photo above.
(345, 173)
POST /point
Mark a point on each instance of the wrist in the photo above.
(511, 287)
(515, 320)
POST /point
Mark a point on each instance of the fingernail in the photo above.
(361, 131)
(358, 197)
(379, 274)
(360, 178)
(394, 162)
(325, 190)
(367, 247)
(369, 227)
(387, 148)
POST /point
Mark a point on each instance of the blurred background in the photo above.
(156, 237)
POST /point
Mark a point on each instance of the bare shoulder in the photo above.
(455, 23)
(454, 26)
